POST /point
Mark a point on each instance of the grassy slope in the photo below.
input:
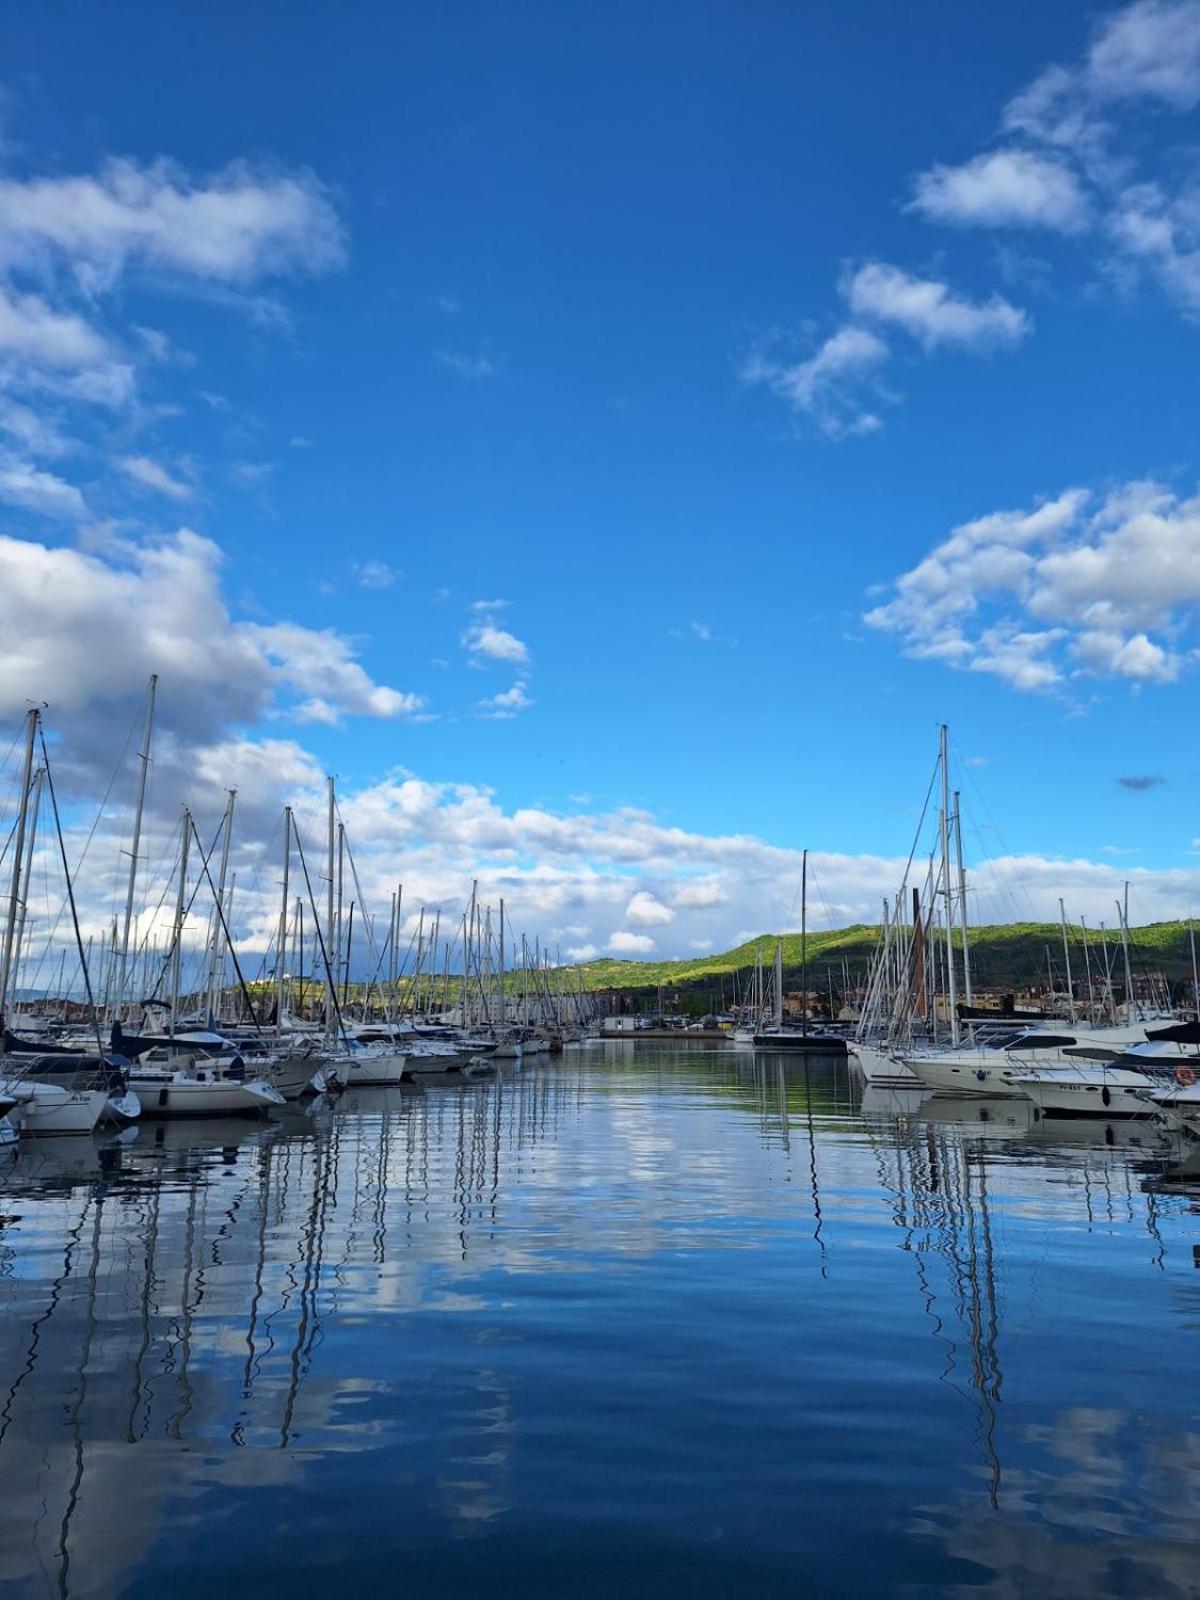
(1003, 953)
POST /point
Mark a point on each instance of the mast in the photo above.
(14, 894)
(1123, 914)
(281, 954)
(330, 994)
(180, 902)
(1062, 917)
(503, 997)
(217, 952)
(779, 985)
(804, 943)
(951, 986)
(1087, 964)
(144, 758)
(1195, 985)
(962, 898)
(34, 807)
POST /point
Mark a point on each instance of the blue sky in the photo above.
(684, 331)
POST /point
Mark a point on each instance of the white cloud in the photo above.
(33, 332)
(701, 631)
(1071, 587)
(496, 644)
(152, 475)
(624, 943)
(375, 574)
(930, 311)
(1149, 50)
(504, 706)
(825, 385)
(31, 488)
(645, 911)
(1004, 188)
(484, 605)
(1075, 160)
(700, 944)
(243, 223)
(216, 672)
(466, 366)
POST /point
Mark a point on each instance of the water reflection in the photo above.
(665, 1321)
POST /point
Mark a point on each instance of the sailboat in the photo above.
(51, 1092)
(778, 1037)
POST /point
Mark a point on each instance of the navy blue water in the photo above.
(641, 1321)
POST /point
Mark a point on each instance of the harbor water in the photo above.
(642, 1320)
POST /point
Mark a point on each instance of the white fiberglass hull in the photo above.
(178, 1095)
(293, 1075)
(45, 1108)
(971, 1073)
(371, 1071)
(1075, 1092)
(882, 1067)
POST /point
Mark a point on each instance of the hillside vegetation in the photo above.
(1002, 954)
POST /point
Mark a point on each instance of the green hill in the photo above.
(1003, 955)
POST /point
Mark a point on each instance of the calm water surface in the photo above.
(643, 1321)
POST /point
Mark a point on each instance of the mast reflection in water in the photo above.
(645, 1321)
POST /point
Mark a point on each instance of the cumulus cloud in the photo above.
(645, 911)
(485, 639)
(839, 387)
(1074, 586)
(507, 704)
(84, 630)
(929, 310)
(1004, 188)
(31, 488)
(238, 225)
(1070, 165)
(624, 943)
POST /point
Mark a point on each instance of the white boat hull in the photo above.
(882, 1067)
(380, 1071)
(180, 1096)
(48, 1108)
(1110, 1092)
(990, 1074)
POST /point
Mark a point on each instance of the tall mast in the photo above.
(135, 843)
(503, 999)
(1123, 914)
(951, 986)
(281, 954)
(14, 893)
(1062, 917)
(779, 985)
(962, 898)
(217, 952)
(34, 807)
(330, 995)
(1195, 984)
(804, 943)
(180, 902)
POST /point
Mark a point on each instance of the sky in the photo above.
(611, 440)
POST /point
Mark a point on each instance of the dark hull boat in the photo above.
(794, 1041)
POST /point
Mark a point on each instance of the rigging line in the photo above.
(87, 977)
(224, 925)
(337, 1010)
(177, 936)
